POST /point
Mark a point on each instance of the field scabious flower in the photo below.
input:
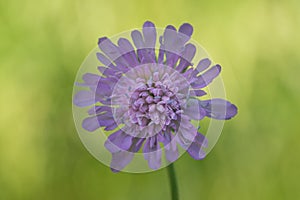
(148, 97)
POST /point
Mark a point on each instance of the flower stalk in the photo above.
(173, 182)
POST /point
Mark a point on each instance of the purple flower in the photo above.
(148, 97)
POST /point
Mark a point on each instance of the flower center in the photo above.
(149, 99)
(153, 103)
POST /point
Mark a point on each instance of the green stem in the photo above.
(173, 182)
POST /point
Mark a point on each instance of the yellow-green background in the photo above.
(42, 44)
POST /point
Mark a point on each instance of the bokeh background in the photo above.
(42, 44)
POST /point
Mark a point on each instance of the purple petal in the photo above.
(148, 55)
(90, 79)
(199, 93)
(152, 152)
(105, 86)
(193, 110)
(187, 57)
(139, 44)
(196, 148)
(203, 64)
(104, 60)
(170, 146)
(189, 74)
(112, 51)
(102, 120)
(185, 32)
(113, 73)
(171, 58)
(186, 133)
(128, 52)
(219, 108)
(110, 72)
(84, 98)
(120, 160)
(90, 124)
(118, 141)
(171, 45)
(149, 32)
(207, 77)
(137, 39)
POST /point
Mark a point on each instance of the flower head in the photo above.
(148, 97)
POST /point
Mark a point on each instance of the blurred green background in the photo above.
(42, 44)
